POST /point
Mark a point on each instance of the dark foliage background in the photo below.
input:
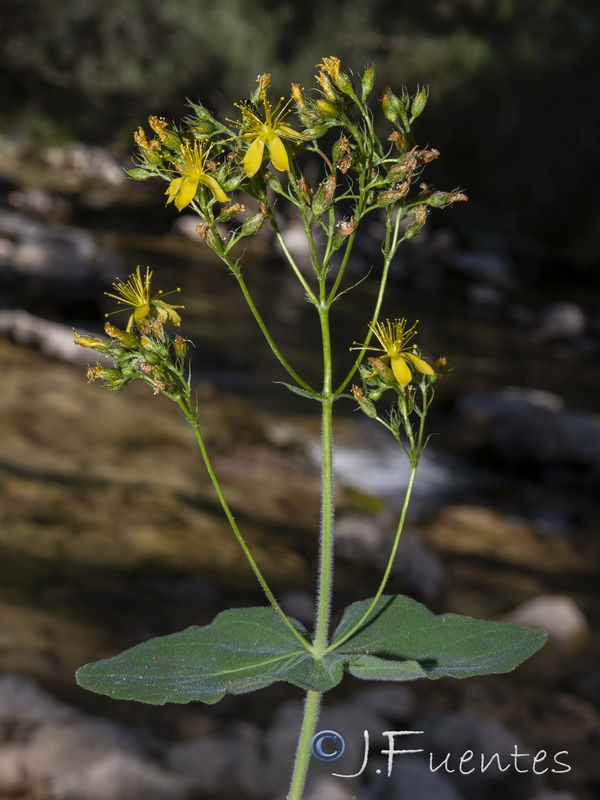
(514, 105)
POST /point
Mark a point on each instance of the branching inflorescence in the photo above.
(233, 174)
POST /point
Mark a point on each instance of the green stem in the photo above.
(388, 568)
(390, 252)
(309, 292)
(312, 706)
(265, 331)
(233, 266)
(185, 405)
(325, 579)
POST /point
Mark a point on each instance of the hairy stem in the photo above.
(312, 705)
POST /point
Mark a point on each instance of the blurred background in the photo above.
(110, 532)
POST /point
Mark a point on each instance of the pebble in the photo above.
(559, 615)
(51, 338)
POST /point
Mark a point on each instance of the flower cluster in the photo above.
(144, 349)
(403, 370)
(204, 160)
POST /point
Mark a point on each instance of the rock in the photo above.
(561, 322)
(486, 296)
(23, 703)
(299, 604)
(89, 162)
(51, 338)
(54, 253)
(557, 614)
(362, 538)
(119, 776)
(221, 763)
(410, 779)
(530, 427)
(586, 685)
(492, 268)
(451, 735)
(348, 719)
(329, 788)
(394, 702)
(38, 202)
(71, 755)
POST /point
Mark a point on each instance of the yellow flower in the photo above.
(394, 339)
(135, 293)
(269, 132)
(193, 171)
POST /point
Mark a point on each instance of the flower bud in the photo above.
(418, 223)
(259, 94)
(442, 199)
(406, 167)
(327, 109)
(231, 211)
(393, 195)
(180, 346)
(419, 102)
(315, 132)
(326, 86)
(254, 223)
(305, 190)
(298, 95)
(365, 405)
(387, 107)
(126, 339)
(91, 341)
(367, 81)
(399, 139)
(324, 195)
(425, 156)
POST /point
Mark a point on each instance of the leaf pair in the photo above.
(249, 648)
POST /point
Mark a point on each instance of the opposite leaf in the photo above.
(402, 641)
(242, 650)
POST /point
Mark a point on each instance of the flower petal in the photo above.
(141, 312)
(254, 156)
(283, 129)
(279, 155)
(419, 363)
(213, 185)
(173, 188)
(187, 192)
(401, 369)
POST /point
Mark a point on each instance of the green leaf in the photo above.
(241, 650)
(310, 393)
(402, 640)
(245, 649)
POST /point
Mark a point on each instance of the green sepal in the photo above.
(141, 174)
